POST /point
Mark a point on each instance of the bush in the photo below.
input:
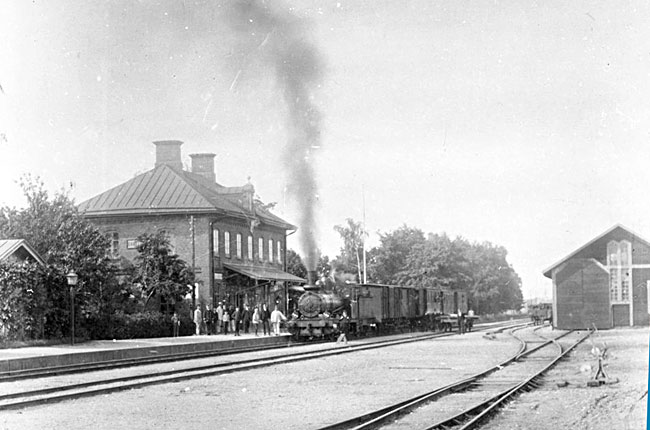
(135, 326)
(21, 301)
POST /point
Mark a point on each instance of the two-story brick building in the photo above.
(604, 283)
(236, 246)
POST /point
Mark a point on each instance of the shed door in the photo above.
(621, 315)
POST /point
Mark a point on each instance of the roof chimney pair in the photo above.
(169, 152)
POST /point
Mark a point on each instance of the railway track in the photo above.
(17, 398)
(464, 404)
(16, 375)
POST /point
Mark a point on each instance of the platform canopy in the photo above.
(266, 273)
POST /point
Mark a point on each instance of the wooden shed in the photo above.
(603, 283)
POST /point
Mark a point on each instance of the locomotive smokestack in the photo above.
(311, 277)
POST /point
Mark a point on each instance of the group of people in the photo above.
(224, 319)
(465, 321)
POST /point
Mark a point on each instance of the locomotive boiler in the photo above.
(317, 313)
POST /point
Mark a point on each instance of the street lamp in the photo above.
(72, 281)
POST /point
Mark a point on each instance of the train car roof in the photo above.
(370, 284)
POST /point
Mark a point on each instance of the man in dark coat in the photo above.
(265, 317)
(208, 318)
(246, 318)
(236, 317)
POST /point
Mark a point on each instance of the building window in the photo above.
(619, 263)
(271, 250)
(132, 243)
(279, 256)
(226, 243)
(238, 244)
(167, 235)
(113, 250)
(260, 249)
(215, 242)
(249, 248)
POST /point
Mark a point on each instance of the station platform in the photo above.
(96, 351)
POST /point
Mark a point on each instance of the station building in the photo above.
(236, 247)
(603, 284)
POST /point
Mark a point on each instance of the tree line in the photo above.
(408, 256)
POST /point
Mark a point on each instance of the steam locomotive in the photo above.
(372, 308)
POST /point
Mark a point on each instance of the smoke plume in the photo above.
(285, 47)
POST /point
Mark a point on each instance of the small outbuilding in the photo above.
(604, 283)
(18, 251)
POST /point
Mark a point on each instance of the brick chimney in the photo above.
(203, 164)
(169, 152)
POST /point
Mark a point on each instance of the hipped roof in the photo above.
(167, 190)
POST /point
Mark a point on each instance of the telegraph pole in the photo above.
(363, 233)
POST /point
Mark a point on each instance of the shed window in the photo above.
(619, 263)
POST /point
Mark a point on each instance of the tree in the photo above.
(438, 262)
(67, 242)
(494, 285)
(350, 258)
(390, 257)
(295, 266)
(159, 271)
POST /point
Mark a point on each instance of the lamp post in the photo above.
(72, 282)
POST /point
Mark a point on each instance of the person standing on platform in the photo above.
(236, 317)
(246, 319)
(232, 320)
(256, 319)
(176, 324)
(276, 318)
(198, 320)
(219, 318)
(208, 320)
(226, 321)
(265, 316)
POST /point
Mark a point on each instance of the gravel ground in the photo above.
(292, 396)
(616, 406)
(318, 392)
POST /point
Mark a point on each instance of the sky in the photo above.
(521, 123)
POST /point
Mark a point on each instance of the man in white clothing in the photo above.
(276, 318)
